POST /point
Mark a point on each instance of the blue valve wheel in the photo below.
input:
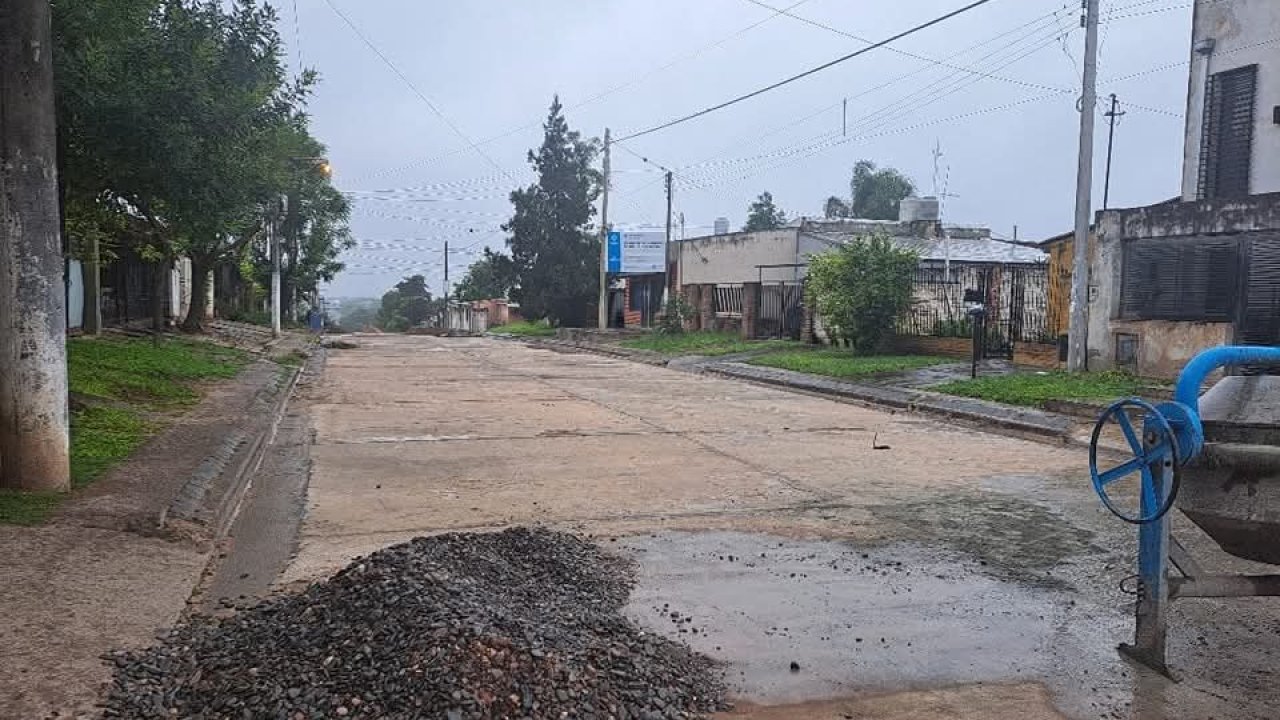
(1158, 444)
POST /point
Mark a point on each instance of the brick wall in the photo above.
(1040, 355)
(930, 345)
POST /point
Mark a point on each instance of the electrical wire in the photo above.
(603, 94)
(414, 88)
(806, 73)
(1037, 27)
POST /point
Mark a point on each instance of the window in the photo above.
(1226, 140)
(1186, 278)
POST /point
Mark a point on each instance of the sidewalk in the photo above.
(899, 391)
(119, 560)
(979, 412)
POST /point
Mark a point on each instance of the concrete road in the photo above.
(912, 569)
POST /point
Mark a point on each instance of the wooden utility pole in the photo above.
(1078, 329)
(33, 320)
(602, 311)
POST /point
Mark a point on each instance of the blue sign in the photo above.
(614, 252)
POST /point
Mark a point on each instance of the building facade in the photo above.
(1232, 143)
(1171, 279)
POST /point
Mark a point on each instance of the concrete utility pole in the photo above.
(670, 280)
(602, 311)
(34, 440)
(1112, 115)
(446, 278)
(273, 238)
(1078, 329)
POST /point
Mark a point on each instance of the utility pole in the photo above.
(273, 238)
(844, 117)
(671, 281)
(1112, 115)
(446, 276)
(34, 439)
(602, 311)
(1078, 329)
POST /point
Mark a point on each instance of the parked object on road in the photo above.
(1216, 459)
(522, 623)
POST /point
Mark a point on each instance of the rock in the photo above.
(522, 623)
(795, 666)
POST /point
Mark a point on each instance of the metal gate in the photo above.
(781, 310)
(1015, 297)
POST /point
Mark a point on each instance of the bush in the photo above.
(675, 315)
(861, 288)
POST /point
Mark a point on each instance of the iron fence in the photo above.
(728, 301)
(1016, 299)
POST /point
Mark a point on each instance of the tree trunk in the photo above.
(199, 296)
(34, 440)
(93, 289)
(160, 289)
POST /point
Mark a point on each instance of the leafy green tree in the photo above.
(876, 194)
(554, 249)
(178, 115)
(764, 215)
(492, 276)
(409, 304)
(860, 289)
(835, 208)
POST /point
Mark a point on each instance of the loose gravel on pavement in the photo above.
(524, 623)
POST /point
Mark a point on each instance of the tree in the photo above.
(178, 114)
(492, 276)
(764, 215)
(409, 304)
(861, 288)
(555, 251)
(835, 208)
(876, 193)
(33, 359)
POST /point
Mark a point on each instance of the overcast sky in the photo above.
(995, 88)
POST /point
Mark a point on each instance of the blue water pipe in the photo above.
(1193, 375)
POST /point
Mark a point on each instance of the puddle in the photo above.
(877, 619)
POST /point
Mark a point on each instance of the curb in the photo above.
(979, 412)
(647, 357)
(212, 494)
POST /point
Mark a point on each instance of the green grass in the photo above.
(1034, 389)
(701, 343)
(123, 389)
(844, 364)
(141, 371)
(525, 328)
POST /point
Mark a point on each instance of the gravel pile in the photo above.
(524, 623)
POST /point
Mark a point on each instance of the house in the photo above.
(1171, 279)
(752, 280)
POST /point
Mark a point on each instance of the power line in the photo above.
(931, 93)
(917, 56)
(1036, 26)
(421, 96)
(806, 73)
(615, 89)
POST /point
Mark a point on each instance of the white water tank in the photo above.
(722, 226)
(913, 209)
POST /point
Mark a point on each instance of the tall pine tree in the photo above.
(555, 250)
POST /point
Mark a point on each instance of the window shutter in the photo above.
(1226, 133)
